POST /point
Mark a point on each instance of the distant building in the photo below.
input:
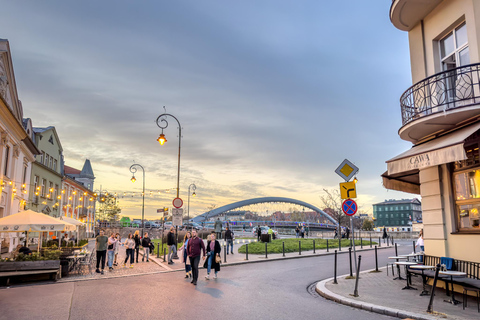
(397, 215)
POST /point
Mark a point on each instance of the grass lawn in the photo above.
(291, 245)
(157, 241)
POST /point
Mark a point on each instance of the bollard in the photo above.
(283, 248)
(350, 258)
(164, 254)
(370, 240)
(313, 246)
(391, 240)
(414, 247)
(355, 292)
(339, 245)
(246, 248)
(388, 239)
(299, 247)
(158, 250)
(224, 254)
(335, 269)
(379, 242)
(430, 304)
(396, 250)
(376, 260)
(327, 245)
(361, 243)
(266, 256)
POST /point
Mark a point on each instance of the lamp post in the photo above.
(162, 123)
(194, 187)
(133, 170)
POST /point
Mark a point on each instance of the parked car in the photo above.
(264, 231)
(167, 225)
(191, 225)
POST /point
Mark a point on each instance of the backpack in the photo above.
(152, 247)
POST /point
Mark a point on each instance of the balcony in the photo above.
(440, 103)
(406, 14)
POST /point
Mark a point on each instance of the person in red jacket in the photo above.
(195, 247)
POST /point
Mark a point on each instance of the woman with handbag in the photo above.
(213, 258)
(130, 244)
(188, 267)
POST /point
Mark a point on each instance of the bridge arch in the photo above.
(243, 203)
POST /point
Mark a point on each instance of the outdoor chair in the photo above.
(393, 267)
(465, 296)
(87, 262)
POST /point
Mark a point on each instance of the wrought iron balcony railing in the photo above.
(455, 88)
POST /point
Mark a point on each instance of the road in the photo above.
(266, 290)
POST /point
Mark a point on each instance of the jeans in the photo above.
(171, 249)
(210, 258)
(130, 254)
(421, 257)
(137, 249)
(146, 253)
(194, 263)
(230, 243)
(111, 254)
(101, 257)
(296, 234)
(219, 235)
(188, 267)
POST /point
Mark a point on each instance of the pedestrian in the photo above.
(347, 233)
(101, 247)
(259, 232)
(130, 244)
(297, 231)
(218, 228)
(112, 243)
(302, 232)
(146, 246)
(172, 248)
(243, 228)
(420, 243)
(194, 249)
(117, 248)
(186, 260)
(213, 251)
(229, 237)
(336, 233)
(136, 238)
(384, 233)
(306, 230)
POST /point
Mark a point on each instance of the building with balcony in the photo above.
(441, 117)
(397, 215)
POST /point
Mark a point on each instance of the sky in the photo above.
(271, 95)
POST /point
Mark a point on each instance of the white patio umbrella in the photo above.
(28, 221)
(73, 221)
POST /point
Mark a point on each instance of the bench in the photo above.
(26, 268)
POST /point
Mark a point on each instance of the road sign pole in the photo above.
(354, 250)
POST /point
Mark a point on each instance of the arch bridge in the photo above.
(229, 207)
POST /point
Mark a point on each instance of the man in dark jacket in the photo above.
(218, 228)
(229, 238)
(259, 232)
(146, 246)
(172, 248)
(195, 246)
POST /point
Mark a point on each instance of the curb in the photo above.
(322, 290)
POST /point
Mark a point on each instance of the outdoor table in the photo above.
(412, 255)
(406, 263)
(398, 267)
(452, 274)
(422, 268)
(74, 260)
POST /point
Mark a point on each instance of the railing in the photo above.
(455, 88)
(472, 269)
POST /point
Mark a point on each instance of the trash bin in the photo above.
(64, 265)
(265, 238)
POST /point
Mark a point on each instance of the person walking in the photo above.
(297, 231)
(117, 248)
(302, 232)
(218, 228)
(101, 248)
(213, 250)
(136, 238)
(146, 246)
(336, 233)
(112, 244)
(172, 248)
(347, 233)
(186, 260)
(229, 237)
(259, 232)
(130, 244)
(306, 231)
(385, 236)
(194, 249)
(420, 243)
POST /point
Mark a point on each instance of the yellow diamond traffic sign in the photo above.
(347, 190)
(346, 170)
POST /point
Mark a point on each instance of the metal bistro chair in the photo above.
(88, 261)
(465, 296)
(392, 264)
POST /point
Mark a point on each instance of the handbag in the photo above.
(218, 259)
(187, 262)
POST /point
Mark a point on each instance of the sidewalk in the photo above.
(381, 294)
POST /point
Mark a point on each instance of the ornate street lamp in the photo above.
(133, 169)
(194, 187)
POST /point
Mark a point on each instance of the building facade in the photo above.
(441, 117)
(17, 149)
(397, 215)
(46, 177)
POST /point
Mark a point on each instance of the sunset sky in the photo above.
(271, 95)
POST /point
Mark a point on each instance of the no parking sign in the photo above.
(349, 207)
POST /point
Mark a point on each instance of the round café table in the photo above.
(398, 267)
(406, 264)
(423, 268)
(451, 274)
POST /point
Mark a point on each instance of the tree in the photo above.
(333, 201)
(367, 225)
(108, 208)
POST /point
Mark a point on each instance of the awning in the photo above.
(72, 221)
(446, 149)
(406, 181)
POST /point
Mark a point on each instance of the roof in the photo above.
(401, 201)
(40, 130)
(70, 170)
(87, 171)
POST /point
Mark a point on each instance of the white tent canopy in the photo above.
(32, 221)
(72, 221)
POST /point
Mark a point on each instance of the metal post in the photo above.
(158, 250)
(350, 259)
(370, 240)
(354, 249)
(246, 248)
(414, 247)
(283, 248)
(355, 292)
(327, 245)
(313, 246)
(391, 240)
(335, 269)
(266, 256)
(175, 256)
(361, 243)
(339, 244)
(164, 254)
(430, 304)
(225, 253)
(396, 250)
(388, 240)
(299, 247)
(376, 260)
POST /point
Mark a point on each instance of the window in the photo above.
(45, 160)
(55, 195)
(50, 190)
(54, 164)
(454, 48)
(50, 164)
(24, 176)
(41, 157)
(467, 196)
(35, 183)
(7, 155)
(44, 184)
